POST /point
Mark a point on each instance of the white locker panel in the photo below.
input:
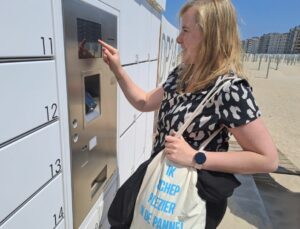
(149, 134)
(154, 35)
(152, 78)
(28, 164)
(129, 32)
(126, 154)
(141, 78)
(139, 32)
(44, 211)
(126, 112)
(26, 28)
(28, 93)
(145, 30)
(140, 138)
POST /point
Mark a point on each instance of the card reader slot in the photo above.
(98, 181)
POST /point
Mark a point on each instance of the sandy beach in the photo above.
(259, 203)
(278, 98)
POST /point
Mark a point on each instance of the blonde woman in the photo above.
(210, 51)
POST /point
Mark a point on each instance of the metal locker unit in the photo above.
(92, 96)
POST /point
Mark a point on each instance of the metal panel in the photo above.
(35, 215)
(30, 29)
(92, 117)
(21, 175)
(28, 97)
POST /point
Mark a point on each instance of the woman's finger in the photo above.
(173, 133)
(170, 138)
(107, 46)
(168, 152)
(105, 58)
(109, 55)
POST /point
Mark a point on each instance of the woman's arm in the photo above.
(259, 153)
(141, 100)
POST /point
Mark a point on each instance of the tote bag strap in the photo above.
(211, 137)
(215, 90)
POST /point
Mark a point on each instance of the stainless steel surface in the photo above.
(94, 152)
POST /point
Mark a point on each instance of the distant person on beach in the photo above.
(211, 51)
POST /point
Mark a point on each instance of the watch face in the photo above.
(200, 158)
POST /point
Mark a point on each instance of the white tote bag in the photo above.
(168, 197)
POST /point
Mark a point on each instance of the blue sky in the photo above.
(255, 17)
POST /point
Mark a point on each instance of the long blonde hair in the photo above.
(220, 50)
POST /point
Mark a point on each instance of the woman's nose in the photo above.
(179, 40)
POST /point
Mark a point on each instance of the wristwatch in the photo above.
(199, 159)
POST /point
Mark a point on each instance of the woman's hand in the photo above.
(178, 150)
(111, 57)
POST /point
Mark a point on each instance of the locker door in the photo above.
(129, 32)
(127, 113)
(28, 164)
(155, 35)
(44, 211)
(140, 140)
(145, 31)
(126, 154)
(26, 28)
(28, 93)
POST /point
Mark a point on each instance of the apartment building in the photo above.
(263, 45)
(253, 45)
(274, 43)
(293, 41)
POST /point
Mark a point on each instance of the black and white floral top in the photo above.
(233, 106)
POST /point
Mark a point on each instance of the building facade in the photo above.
(274, 43)
(253, 45)
(264, 43)
(293, 41)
